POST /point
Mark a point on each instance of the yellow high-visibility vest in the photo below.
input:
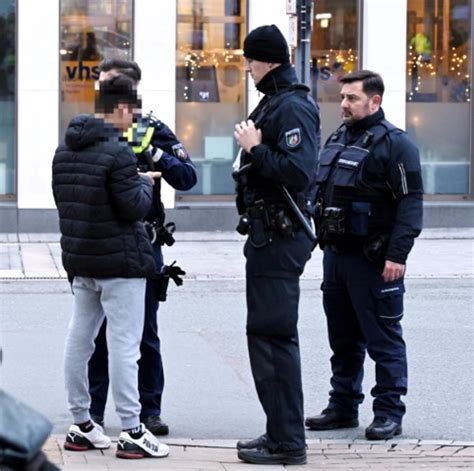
(139, 140)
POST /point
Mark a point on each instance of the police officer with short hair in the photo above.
(280, 143)
(159, 154)
(368, 213)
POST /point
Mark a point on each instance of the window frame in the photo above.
(13, 197)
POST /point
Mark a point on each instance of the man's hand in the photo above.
(247, 135)
(393, 271)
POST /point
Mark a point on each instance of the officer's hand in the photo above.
(154, 174)
(247, 135)
(393, 271)
(150, 176)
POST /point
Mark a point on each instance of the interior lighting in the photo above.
(323, 19)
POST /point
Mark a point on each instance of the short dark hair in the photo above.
(115, 91)
(129, 68)
(372, 83)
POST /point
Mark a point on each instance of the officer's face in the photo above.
(257, 69)
(355, 104)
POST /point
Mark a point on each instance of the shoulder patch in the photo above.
(293, 137)
(179, 151)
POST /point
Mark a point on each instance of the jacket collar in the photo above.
(366, 123)
(277, 79)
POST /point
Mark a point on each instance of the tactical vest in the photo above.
(349, 209)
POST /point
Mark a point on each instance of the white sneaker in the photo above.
(147, 446)
(98, 426)
(77, 440)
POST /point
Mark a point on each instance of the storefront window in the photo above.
(210, 87)
(91, 30)
(7, 98)
(439, 87)
(334, 52)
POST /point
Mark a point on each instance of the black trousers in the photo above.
(151, 379)
(363, 314)
(272, 284)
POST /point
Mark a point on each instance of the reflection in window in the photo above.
(7, 97)
(91, 30)
(210, 87)
(334, 52)
(439, 85)
(334, 46)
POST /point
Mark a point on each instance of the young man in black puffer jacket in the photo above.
(102, 199)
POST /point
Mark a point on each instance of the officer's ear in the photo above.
(374, 103)
(377, 100)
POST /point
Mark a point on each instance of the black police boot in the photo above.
(155, 425)
(255, 443)
(331, 419)
(263, 455)
(382, 428)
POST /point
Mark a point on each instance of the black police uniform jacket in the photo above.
(175, 164)
(101, 200)
(289, 120)
(372, 171)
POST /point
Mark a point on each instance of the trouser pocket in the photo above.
(258, 233)
(388, 301)
(272, 304)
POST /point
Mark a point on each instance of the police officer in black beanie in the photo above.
(280, 144)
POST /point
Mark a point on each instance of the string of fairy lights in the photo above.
(421, 68)
(347, 59)
(194, 60)
(424, 68)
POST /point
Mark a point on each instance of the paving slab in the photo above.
(208, 456)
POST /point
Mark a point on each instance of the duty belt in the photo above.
(262, 207)
(274, 216)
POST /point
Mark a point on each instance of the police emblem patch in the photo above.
(179, 151)
(293, 137)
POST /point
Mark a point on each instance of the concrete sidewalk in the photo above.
(438, 253)
(322, 454)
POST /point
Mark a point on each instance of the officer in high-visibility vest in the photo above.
(161, 155)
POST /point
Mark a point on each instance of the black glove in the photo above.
(173, 272)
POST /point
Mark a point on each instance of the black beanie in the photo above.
(267, 44)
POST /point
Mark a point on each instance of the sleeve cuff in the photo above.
(157, 153)
(257, 154)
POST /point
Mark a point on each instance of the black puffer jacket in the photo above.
(101, 200)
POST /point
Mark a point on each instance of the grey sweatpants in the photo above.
(122, 302)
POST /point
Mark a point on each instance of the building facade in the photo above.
(190, 52)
